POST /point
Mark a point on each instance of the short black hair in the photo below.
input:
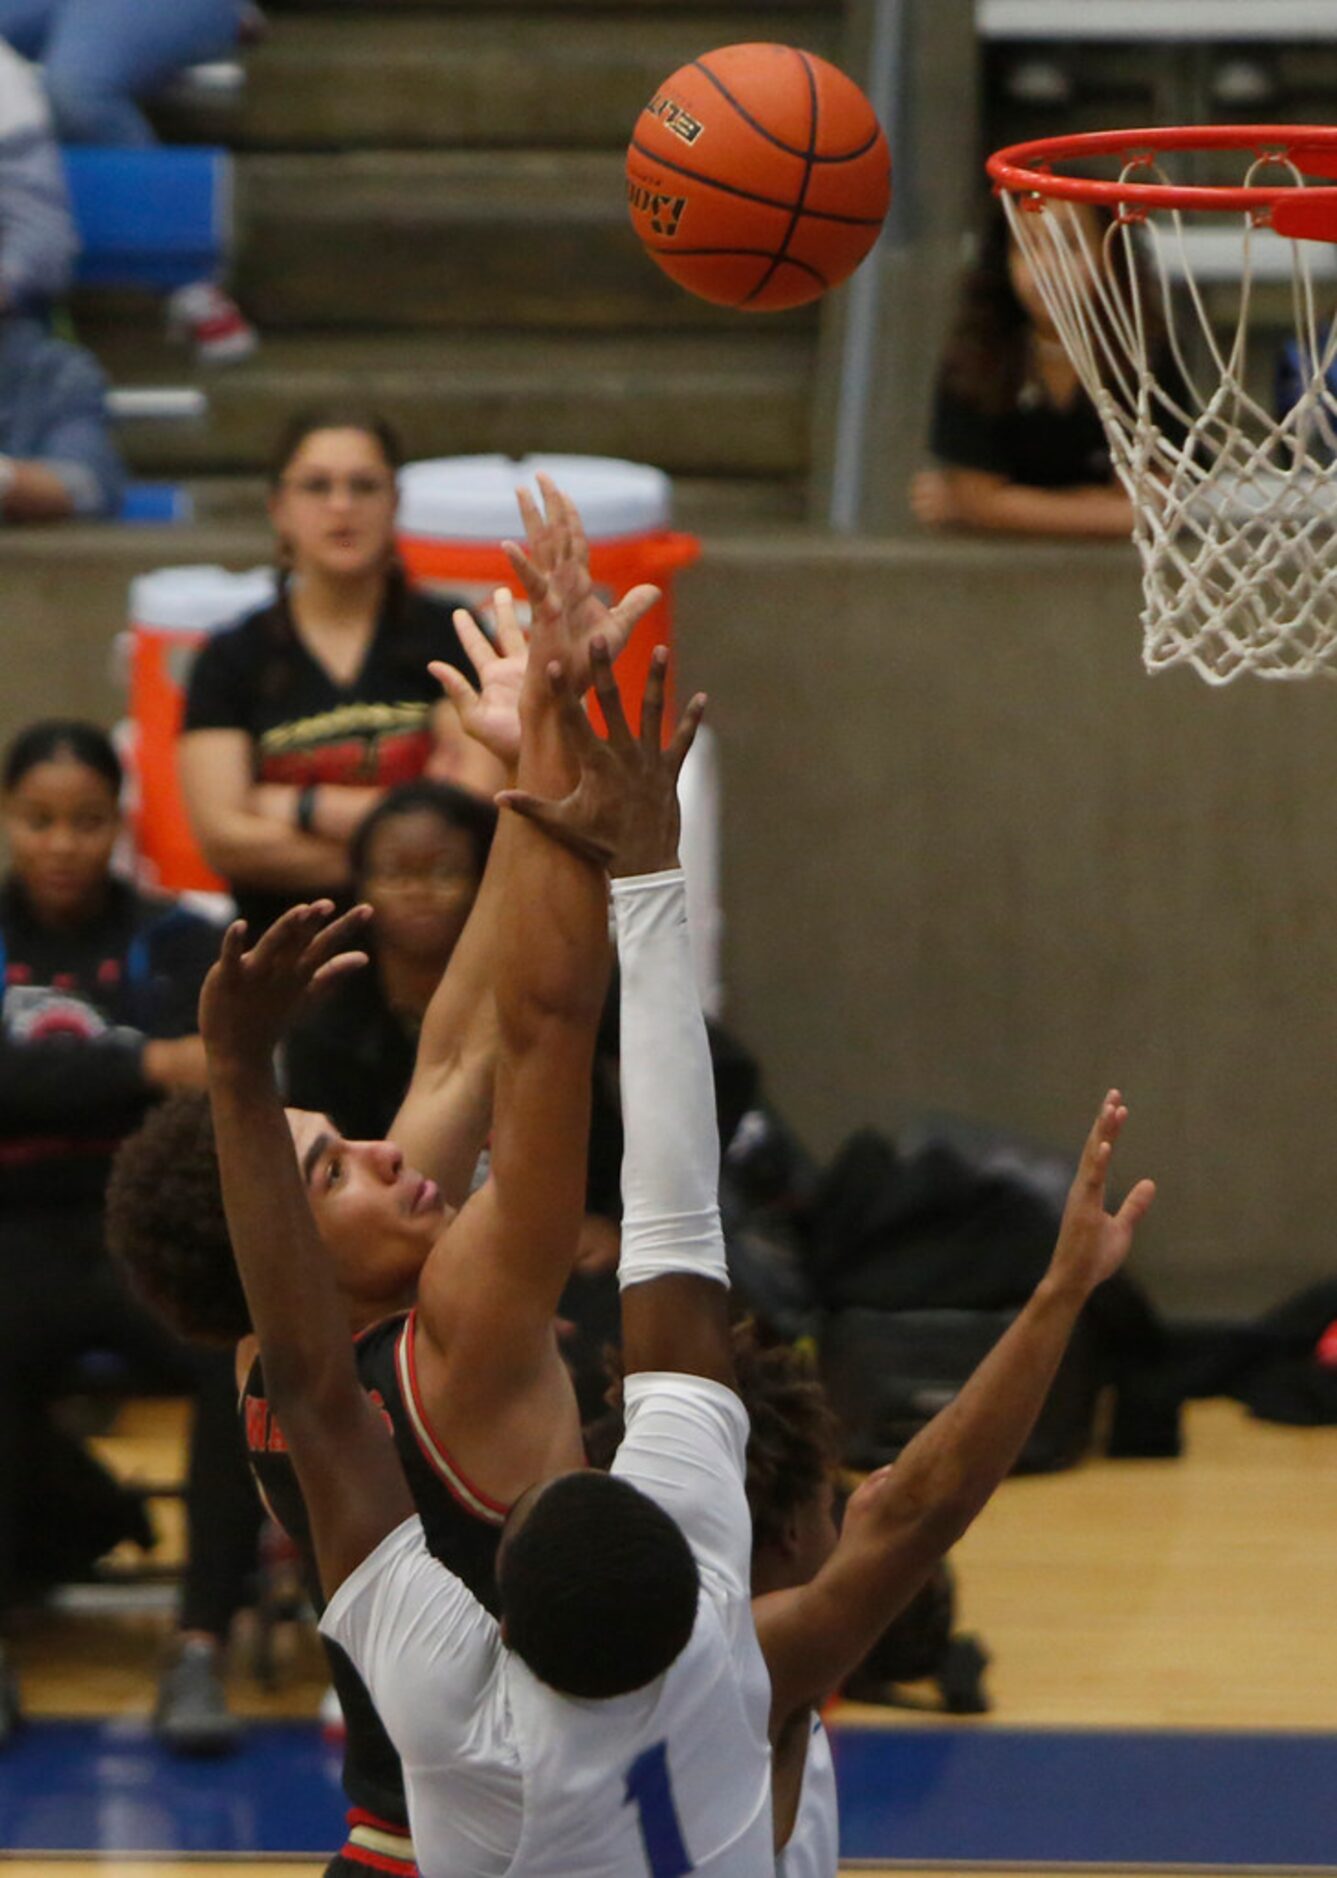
(166, 1227)
(473, 815)
(598, 1587)
(55, 737)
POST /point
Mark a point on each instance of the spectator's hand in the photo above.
(933, 499)
(250, 997)
(172, 1063)
(491, 714)
(554, 569)
(1093, 1244)
(623, 811)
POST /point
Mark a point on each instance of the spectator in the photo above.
(99, 986)
(37, 239)
(300, 718)
(1021, 446)
(418, 859)
(57, 459)
(99, 58)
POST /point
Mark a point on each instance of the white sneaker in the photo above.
(203, 316)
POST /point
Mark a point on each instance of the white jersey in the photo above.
(813, 1850)
(504, 1775)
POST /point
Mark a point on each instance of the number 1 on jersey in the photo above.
(650, 1791)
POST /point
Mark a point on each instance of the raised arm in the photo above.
(903, 1518)
(351, 1477)
(672, 1270)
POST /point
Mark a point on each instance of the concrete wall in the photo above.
(975, 860)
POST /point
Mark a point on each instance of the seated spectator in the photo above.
(98, 59)
(37, 239)
(1021, 447)
(418, 859)
(57, 459)
(299, 719)
(99, 986)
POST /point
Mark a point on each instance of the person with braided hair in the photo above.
(299, 718)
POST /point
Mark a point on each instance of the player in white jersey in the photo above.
(822, 1602)
(615, 1721)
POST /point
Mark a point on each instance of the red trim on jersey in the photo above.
(379, 1861)
(471, 1498)
(406, 1867)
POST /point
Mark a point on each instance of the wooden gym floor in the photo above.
(1190, 1596)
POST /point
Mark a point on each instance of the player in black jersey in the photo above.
(471, 1379)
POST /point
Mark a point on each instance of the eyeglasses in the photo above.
(325, 488)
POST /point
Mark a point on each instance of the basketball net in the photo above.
(1234, 506)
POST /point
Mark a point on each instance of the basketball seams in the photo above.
(782, 254)
(750, 195)
(754, 254)
(769, 136)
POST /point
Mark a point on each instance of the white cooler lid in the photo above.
(472, 498)
(198, 599)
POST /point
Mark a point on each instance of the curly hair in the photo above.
(166, 1227)
(793, 1444)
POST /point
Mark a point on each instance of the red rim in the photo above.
(1023, 168)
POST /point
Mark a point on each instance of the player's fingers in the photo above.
(1137, 1205)
(610, 698)
(478, 647)
(630, 610)
(286, 938)
(336, 968)
(569, 707)
(652, 701)
(685, 735)
(532, 578)
(529, 515)
(510, 633)
(234, 944)
(455, 685)
(334, 937)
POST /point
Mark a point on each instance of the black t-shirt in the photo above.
(76, 1008)
(1036, 443)
(305, 727)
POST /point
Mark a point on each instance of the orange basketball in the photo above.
(758, 176)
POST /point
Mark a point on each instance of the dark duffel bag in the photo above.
(889, 1372)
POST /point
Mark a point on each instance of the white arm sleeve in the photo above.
(671, 1158)
(423, 1644)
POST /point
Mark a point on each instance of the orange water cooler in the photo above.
(172, 612)
(455, 512)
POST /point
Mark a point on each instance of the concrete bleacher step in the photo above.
(477, 78)
(462, 239)
(714, 405)
(705, 504)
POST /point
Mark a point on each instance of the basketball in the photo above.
(758, 176)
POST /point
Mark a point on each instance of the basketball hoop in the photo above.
(1235, 506)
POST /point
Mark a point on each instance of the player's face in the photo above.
(335, 506)
(422, 880)
(62, 821)
(378, 1216)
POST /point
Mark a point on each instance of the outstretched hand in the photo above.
(490, 714)
(623, 811)
(250, 997)
(554, 569)
(1093, 1243)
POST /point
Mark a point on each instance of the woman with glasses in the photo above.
(300, 718)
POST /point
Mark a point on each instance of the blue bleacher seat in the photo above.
(150, 218)
(156, 503)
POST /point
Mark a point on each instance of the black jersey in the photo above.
(463, 1527)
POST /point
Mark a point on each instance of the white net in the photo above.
(1235, 499)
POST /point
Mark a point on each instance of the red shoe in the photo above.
(206, 318)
